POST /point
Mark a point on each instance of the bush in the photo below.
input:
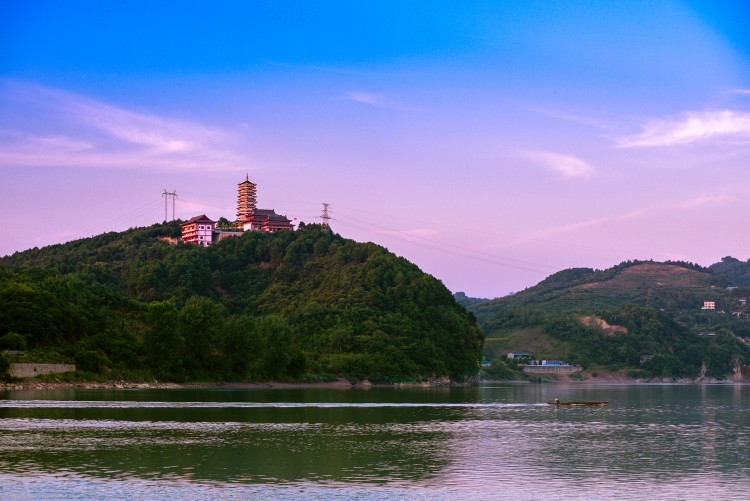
(501, 369)
(4, 366)
(13, 341)
(90, 361)
(639, 374)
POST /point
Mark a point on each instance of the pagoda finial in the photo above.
(247, 177)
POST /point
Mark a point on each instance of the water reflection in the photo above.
(467, 443)
(236, 444)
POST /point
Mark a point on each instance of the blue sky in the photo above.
(492, 143)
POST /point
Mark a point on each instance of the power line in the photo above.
(461, 251)
(139, 210)
(479, 230)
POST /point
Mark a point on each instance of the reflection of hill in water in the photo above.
(477, 443)
(236, 444)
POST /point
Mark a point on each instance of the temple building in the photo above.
(266, 220)
(250, 218)
(201, 230)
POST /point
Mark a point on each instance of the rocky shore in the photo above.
(615, 377)
(622, 377)
(32, 384)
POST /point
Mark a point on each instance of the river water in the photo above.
(498, 441)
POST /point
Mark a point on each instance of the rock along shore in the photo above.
(341, 384)
(617, 377)
(32, 384)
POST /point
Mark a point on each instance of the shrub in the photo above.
(13, 341)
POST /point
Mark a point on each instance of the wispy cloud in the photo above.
(376, 100)
(81, 132)
(691, 127)
(704, 200)
(343, 70)
(685, 206)
(567, 165)
(744, 92)
(570, 116)
(366, 98)
(582, 225)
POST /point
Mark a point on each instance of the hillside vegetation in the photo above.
(302, 305)
(734, 271)
(645, 317)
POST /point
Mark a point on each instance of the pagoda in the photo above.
(250, 218)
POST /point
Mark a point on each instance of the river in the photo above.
(500, 441)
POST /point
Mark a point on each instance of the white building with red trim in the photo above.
(198, 230)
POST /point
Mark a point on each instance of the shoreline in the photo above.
(341, 384)
(34, 385)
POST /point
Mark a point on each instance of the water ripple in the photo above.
(99, 404)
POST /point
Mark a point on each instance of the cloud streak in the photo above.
(366, 98)
(375, 100)
(687, 206)
(582, 225)
(99, 135)
(567, 165)
(691, 127)
(569, 116)
(704, 200)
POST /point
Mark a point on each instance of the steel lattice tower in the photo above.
(166, 195)
(326, 215)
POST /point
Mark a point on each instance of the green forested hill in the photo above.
(290, 305)
(734, 271)
(647, 317)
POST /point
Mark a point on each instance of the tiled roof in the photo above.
(270, 214)
(200, 219)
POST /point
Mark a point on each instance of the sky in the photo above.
(491, 143)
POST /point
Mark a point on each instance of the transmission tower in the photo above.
(326, 215)
(166, 195)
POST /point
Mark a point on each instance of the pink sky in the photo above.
(492, 145)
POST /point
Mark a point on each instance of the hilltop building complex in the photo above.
(201, 230)
(250, 218)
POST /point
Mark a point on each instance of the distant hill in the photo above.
(464, 300)
(301, 305)
(648, 317)
(734, 271)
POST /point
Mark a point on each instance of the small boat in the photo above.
(579, 402)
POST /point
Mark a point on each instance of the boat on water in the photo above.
(579, 402)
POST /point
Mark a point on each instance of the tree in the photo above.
(4, 367)
(241, 346)
(200, 325)
(279, 358)
(12, 341)
(225, 224)
(163, 342)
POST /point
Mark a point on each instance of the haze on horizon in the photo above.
(490, 143)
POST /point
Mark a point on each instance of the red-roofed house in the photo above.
(198, 230)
